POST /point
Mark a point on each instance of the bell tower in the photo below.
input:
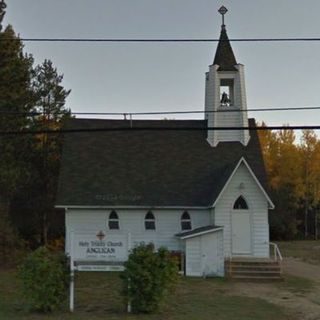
(225, 98)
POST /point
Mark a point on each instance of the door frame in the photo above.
(238, 211)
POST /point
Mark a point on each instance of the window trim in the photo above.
(113, 220)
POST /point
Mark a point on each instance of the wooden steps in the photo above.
(253, 269)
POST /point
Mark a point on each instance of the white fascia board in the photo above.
(61, 206)
(243, 160)
(200, 233)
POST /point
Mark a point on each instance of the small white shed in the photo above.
(204, 251)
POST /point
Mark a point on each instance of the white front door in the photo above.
(241, 232)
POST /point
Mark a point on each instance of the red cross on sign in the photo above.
(100, 235)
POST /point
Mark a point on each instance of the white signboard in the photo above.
(99, 245)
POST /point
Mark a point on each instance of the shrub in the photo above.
(149, 277)
(45, 279)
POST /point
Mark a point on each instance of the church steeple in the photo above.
(224, 57)
(225, 101)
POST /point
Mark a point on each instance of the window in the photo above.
(240, 203)
(150, 221)
(226, 92)
(185, 221)
(113, 221)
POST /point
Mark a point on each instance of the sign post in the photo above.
(92, 250)
(71, 300)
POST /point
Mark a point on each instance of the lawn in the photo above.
(307, 250)
(97, 297)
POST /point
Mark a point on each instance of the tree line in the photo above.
(31, 97)
(293, 169)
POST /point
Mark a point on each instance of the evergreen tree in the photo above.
(15, 102)
(37, 197)
(51, 112)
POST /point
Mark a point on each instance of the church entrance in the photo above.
(241, 228)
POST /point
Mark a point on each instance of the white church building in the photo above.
(196, 191)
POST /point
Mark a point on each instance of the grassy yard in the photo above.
(308, 250)
(97, 297)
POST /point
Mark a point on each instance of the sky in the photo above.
(146, 77)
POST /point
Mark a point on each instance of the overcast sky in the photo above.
(128, 77)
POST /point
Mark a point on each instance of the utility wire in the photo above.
(313, 39)
(164, 112)
(161, 128)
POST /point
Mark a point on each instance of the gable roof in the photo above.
(264, 192)
(153, 168)
(224, 56)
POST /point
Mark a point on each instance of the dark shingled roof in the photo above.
(196, 231)
(148, 168)
(224, 55)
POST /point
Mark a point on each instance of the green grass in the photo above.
(297, 285)
(98, 297)
(306, 250)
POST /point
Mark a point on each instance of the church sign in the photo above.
(97, 250)
(99, 246)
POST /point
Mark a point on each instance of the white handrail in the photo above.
(276, 251)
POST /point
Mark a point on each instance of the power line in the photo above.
(161, 40)
(161, 128)
(228, 109)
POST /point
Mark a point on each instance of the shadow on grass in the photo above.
(97, 296)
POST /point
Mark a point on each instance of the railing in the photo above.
(276, 252)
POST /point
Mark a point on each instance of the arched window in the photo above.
(185, 221)
(240, 203)
(113, 221)
(150, 221)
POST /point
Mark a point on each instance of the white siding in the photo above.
(226, 119)
(204, 255)
(258, 208)
(168, 220)
(132, 220)
(193, 257)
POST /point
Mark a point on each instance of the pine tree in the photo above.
(15, 102)
(50, 107)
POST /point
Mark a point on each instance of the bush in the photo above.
(149, 277)
(45, 279)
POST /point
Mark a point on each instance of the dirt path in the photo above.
(300, 304)
(299, 268)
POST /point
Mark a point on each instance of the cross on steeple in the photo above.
(223, 10)
(224, 55)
